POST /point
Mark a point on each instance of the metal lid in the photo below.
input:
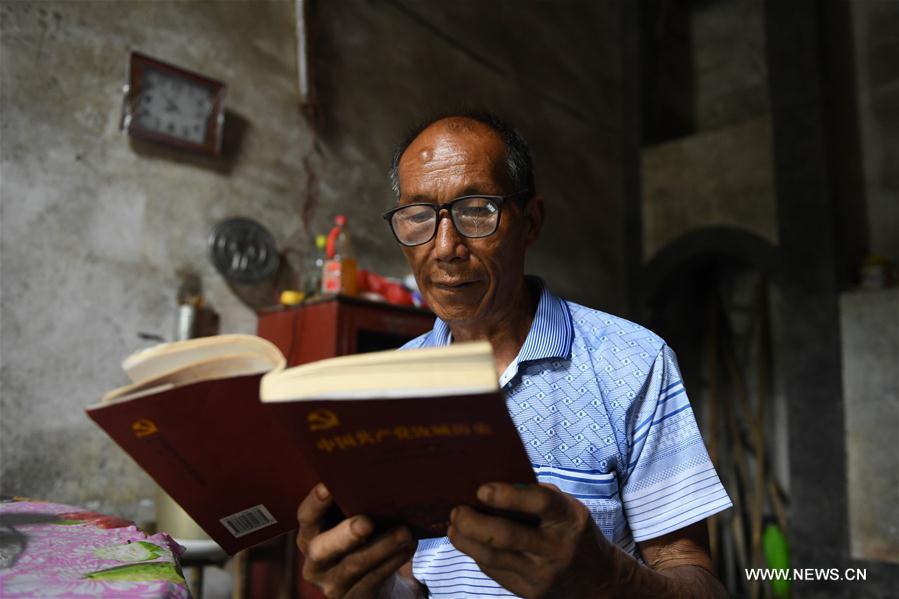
(243, 251)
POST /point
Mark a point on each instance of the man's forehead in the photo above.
(456, 133)
(454, 141)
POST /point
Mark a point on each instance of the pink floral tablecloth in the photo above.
(54, 550)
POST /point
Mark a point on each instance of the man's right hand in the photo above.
(343, 561)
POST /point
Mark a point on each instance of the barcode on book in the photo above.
(247, 521)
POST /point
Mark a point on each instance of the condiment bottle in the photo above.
(339, 270)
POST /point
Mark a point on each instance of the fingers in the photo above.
(369, 583)
(311, 515)
(344, 560)
(561, 554)
(544, 501)
(496, 532)
(489, 558)
(330, 545)
(337, 564)
(504, 550)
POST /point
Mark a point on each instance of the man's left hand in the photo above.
(562, 556)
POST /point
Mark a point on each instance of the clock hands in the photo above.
(171, 105)
(175, 109)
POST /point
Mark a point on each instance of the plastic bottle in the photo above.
(314, 265)
(777, 556)
(339, 270)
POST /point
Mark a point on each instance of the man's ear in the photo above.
(533, 216)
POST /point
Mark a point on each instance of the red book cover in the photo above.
(216, 449)
(240, 466)
(409, 460)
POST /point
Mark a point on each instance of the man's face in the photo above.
(465, 280)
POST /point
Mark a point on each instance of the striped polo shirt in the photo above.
(603, 414)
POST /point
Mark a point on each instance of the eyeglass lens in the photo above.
(473, 217)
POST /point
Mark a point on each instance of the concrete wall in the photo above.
(719, 178)
(810, 208)
(719, 172)
(808, 231)
(869, 331)
(553, 70)
(95, 227)
(875, 26)
(731, 77)
(93, 231)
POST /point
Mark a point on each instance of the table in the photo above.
(199, 553)
(51, 549)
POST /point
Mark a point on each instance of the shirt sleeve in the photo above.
(670, 482)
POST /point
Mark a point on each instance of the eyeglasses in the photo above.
(473, 216)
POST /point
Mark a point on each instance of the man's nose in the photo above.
(448, 244)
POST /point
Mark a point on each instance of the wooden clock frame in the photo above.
(137, 65)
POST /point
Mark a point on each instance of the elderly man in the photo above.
(626, 483)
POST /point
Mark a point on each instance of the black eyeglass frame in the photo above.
(448, 206)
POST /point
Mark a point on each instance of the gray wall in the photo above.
(718, 171)
(875, 27)
(93, 231)
(869, 329)
(95, 227)
(786, 135)
(554, 70)
(813, 149)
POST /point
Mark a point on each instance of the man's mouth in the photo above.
(455, 283)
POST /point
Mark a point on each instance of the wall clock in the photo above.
(171, 105)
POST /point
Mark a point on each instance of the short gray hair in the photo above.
(519, 167)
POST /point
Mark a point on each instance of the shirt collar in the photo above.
(441, 333)
(551, 331)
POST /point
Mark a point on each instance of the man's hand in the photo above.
(344, 561)
(565, 555)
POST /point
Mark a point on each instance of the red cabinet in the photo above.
(340, 325)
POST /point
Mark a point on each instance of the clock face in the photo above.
(174, 106)
(170, 105)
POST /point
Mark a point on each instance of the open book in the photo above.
(238, 440)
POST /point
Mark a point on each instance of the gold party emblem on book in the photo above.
(144, 427)
(320, 420)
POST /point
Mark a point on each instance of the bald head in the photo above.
(454, 147)
(513, 159)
